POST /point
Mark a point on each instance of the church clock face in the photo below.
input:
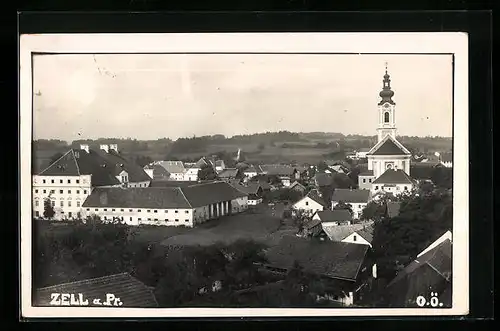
(389, 166)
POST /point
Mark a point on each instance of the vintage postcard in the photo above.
(244, 174)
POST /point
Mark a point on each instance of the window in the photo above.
(176, 220)
(130, 210)
(138, 210)
(105, 218)
(69, 191)
(36, 203)
(354, 238)
(166, 210)
(105, 209)
(187, 211)
(52, 191)
(166, 219)
(69, 203)
(44, 191)
(61, 191)
(113, 209)
(60, 181)
(69, 181)
(149, 219)
(370, 180)
(148, 210)
(364, 180)
(121, 210)
(88, 209)
(53, 203)
(376, 187)
(186, 220)
(77, 191)
(156, 211)
(84, 191)
(139, 219)
(406, 188)
(62, 203)
(96, 209)
(37, 213)
(43, 180)
(307, 203)
(386, 117)
(52, 181)
(69, 214)
(36, 191)
(78, 181)
(176, 211)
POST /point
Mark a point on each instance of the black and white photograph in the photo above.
(244, 174)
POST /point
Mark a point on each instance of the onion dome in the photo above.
(386, 94)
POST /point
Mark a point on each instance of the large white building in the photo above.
(170, 206)
(388, 160)
(69, 180)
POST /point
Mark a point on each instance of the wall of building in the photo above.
(379, 163)
(395, 189)
(365, 182)
(138, 216)
(139, 184)
(67, 194)
(191, 174)
(308, 205)
(357, 208)
(254, 202)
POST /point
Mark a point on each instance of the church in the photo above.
(388, 161)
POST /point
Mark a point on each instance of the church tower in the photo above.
(386, 110)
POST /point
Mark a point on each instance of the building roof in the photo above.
(438, 258)
(323, 179)
(250, 188)
(201, 162)
(393, 208)
(104, 167)
(296, 184)
(277, 170)
(391, 176)
(312, 223)
(351, 195)
(332, 259)
(251, 169)
(228, 173)
(366, 233)
(172, 167)
(336, 215)
(447, 157)
(366, 173)
(187, 197)
(388, 146)
(340, 232)
(315, 196)
(171, 183)
(132, 292)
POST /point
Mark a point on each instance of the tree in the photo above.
(343, 205)
(374, 211)
(48, 210)
(143, 160)
(261, 146)
(322, 166)
(207, 172)
(343, 181)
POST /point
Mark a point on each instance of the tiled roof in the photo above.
(171, 183)
(366, 233)
(336, 215)
(101, 165)
(277, 169)
(393, 208)
(323, 179)
(332, 259)
(351, 195)
(132, 292)
(439, 259)
(228, 173)
(201, 162)
(388, 146)
(251, 188)
(299, 185)
(187, 197)
(366, 173)
(314, 195)
(312, 223)
(159, 172)
(251, 169)
(340, 232)
(391, 176)
(172, 167)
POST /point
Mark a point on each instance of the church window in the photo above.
(386, 117)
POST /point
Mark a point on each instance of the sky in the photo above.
(86, 96)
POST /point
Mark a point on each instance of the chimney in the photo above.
(104, 148)
(85, 147)
(113, 147)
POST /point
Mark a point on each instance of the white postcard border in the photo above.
(361, 43)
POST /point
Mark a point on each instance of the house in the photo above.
(363, 236)
(253, 190)
(338, 233)
(252, 171)
(392, 209)
(446, 159)
(336, 261)
(170, 206)
(310, 204)
(323, 179)
(69, 180)
(284, 172)
(430, 272)
(333, 217)
(174, 169)
(365, 180)
(361, 154)
(119, 290)
(313, 227)
(358, 199)
(296, 186)
(393, 181)
(157, 172)
(191, 172)
(228, 174)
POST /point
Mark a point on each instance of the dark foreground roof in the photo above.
(188, 197)
(391, 176)
(132, 292)
(351, 195)
(332, 259)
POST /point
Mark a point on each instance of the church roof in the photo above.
(388, 146)
(391, 176)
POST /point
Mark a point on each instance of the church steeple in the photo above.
(387, 110)
(386, 94)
